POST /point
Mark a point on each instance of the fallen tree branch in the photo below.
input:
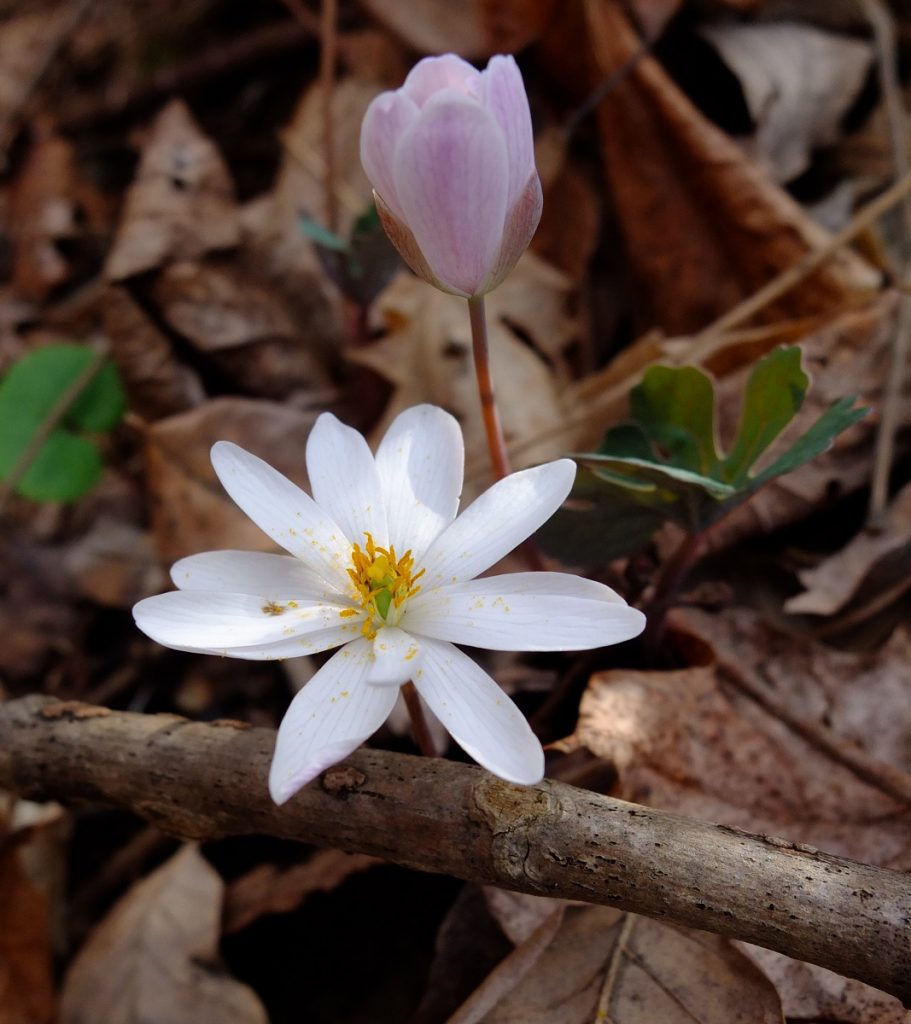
(205, 781)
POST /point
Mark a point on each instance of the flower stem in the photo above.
(496, 443)
(419, 721)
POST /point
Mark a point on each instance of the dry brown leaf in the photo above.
(268, 889)
(518, 913)
(114, 564)
(862, 698)
(606, 965)
(156, 382)
(703, 225)
(688, 741)
(810, 993)
(798, 82)
(181, 204)
(426, 354)
(475, 29)
(510, 972)
(571, 221)
(835, 582)
(222, 309)
(31, 862)
(190, 510)
(24, 42)
(50, 203)
(154, 957)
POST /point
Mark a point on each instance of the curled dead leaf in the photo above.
(181, 204)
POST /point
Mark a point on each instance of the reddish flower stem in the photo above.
(496, 443)
(419, 726)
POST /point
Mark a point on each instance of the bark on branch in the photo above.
(209, 780)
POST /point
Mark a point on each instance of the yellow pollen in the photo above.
(383, 582)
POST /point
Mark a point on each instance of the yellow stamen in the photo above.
(383, 582)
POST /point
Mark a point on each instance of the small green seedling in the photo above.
(34, 393)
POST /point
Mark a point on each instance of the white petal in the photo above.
(387, 117)
(503, 93)
(420, 463)
(285, 513)
(273, 577)
(451, 177)
(477, 713)
(395, 657)
(331, 716)
(433, 74)
(200, 621)
(531, 611)
(496, 522)
(344, 479)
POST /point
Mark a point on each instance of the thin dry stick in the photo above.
(328, 52)
(890, 780)
(50, 423)
(205, 781)
(613, 970)
(55, 44)
(709, 338)
(496, 443)
(883, 25)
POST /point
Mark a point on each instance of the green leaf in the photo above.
(774, 393)
(66, 467)
(815, 441)
(687, 498)
(67, 464)
(675, 407)
(316, 232)
(627, 441)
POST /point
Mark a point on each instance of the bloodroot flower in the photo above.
(450, 156)
(380, 566)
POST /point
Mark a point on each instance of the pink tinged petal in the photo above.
(433, 74)
(386, 119)
(344, 480)
(395, 655)
(534, 611)
(272, 577)
(333, 714)
(451, 176)
(503, 93)
(285, 513)
(521, 224)
(420, 462)
(496, 522)
(401, 237)
(195, 619)
(477, 714)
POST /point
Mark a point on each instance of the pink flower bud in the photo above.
(451, 159)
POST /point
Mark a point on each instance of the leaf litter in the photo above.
(188, 245)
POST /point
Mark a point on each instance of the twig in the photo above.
(50, 423)
(209, 780)
(890, 780)
(328, 51)
(883, 26)
(602, 1015)
(705, 343)
(202, 67)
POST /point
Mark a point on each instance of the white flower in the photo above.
(381, 566)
